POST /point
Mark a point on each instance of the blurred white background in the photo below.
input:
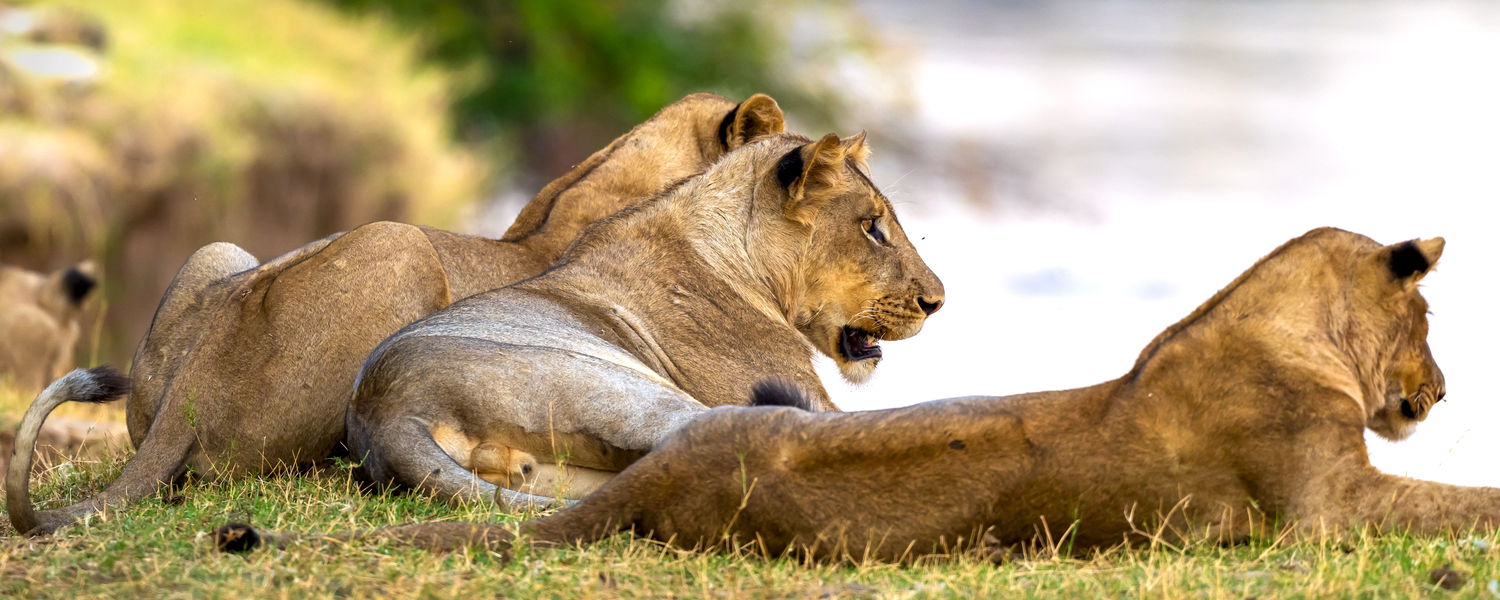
(1083, 174)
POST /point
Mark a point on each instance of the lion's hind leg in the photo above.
(562, 480)
(568, 466)
(522, 471)
(551, 464)
(502, 465)
(454, 416)
(170, 335)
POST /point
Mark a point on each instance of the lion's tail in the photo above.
(99, 384)
(158, 459)
(779, 392)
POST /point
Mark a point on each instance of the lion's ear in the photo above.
(856, 150)
(66, 290)
(1411, 260)
(809, 173)
(757, 116)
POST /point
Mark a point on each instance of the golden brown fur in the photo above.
(668, 308)
(1251, 409)
(41, 321)
(247, 366)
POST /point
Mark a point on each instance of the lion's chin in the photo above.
(856, 351)
(1392, 427)
(858, 371)
(1396, 434)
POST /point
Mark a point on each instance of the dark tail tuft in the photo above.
(778, 392)
(236, 538)
(77, 285)
(105, 384)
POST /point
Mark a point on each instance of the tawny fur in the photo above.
(659, 312)
(1252, 410)
(247, 367)
(41, 321)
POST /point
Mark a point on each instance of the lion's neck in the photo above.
(630, 170)
(689, 308)
(721, 239)
(682, 261)
(1259, 325)
(563, 210)
(717, 217)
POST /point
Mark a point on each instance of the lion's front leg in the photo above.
(1391, 503)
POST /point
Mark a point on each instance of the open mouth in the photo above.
(858, 344)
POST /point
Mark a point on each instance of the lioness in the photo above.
(1251, 408)
(40, 318)
(248, 367)
(657, 313)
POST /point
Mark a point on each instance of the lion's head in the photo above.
(1393, 314)
(1330, 305)
(1373, 312)
(858, 280)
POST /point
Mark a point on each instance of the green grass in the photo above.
(160, 548)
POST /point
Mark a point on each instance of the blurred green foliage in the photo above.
(545, 73)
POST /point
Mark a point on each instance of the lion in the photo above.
(247, 367)
(548, 387)
(41, 319)
(1251, 410)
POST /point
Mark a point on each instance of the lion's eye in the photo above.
(872, 229)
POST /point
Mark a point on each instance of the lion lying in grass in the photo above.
(552, 385)
(247, 367)
(1253, 408)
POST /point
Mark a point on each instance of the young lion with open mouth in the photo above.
(552, 385)
(1251, 409)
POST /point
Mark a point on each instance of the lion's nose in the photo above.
(929, 306)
